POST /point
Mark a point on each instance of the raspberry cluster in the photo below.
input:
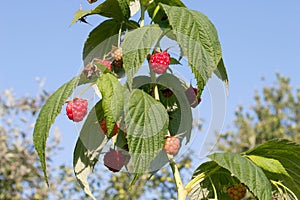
(114, 160)
(160, 62)
(103, 128)
(172, 145)
(76, 109)
(237, 192)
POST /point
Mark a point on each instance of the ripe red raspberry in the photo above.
(77, 109)
(103, 128)
(116, 53)
(107, 63)
(114, 160)
(172, 145)
(191, 94)
(160, 62)
(237, 192)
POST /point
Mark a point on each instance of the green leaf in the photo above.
(222, 74)
(46, 118)
(247, 172)
(157, 14)
(208, 173)
(79, 14)
(198, 39)
(146, 124)
(116, 9)
(112, 96)
(174, 61)
(136, 46)
(287, 153)
(181, 115)
(100, 40)
(130, 25)
(88, 148)
(268, 164)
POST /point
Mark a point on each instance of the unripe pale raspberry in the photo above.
(104, 128)
(114, 160)
(77, 109)
(237, 192)
(116, 53)
(160, 62)
(191, 94)
(172, 145)
(107, 63)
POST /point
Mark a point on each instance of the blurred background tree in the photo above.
(275, 114)
(20, 174)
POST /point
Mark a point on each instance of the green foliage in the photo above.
(116, 9)
(199, 41)
(210, 180)
(147, 122)
(157, 13)
(46, 118)
(285, 154)
(176, 106)
(136, 52)
(274, 162)
(145, 115)
(148, 108)
(88, 147)
(247, 172)
(113, 101)
(222, 74)
(101, 39)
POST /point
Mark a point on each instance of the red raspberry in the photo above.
(191, 94)
(103, 128)
(114, 160)
(77, 109)
(237, 192)
(172, 145)
(160, 62)
(107, 63)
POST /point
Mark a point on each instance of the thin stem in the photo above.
(143, 9)
(119, 37)
(181, 191)
(199, 178)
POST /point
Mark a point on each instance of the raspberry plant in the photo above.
(155, 106)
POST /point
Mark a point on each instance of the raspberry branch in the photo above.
(181, 191)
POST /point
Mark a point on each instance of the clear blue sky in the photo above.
(257, 37)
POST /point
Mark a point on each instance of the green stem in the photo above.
(119, 37)
(143, 9)
(199, 178)
(286, 189)
(181, 191)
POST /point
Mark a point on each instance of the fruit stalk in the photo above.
(143, 9)
(181, 191)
